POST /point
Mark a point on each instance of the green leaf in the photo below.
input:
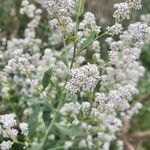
(72, 38)
(71, 131)
(46, 78)
(64, 57)
(88, 41)
(33, 121)
(35, 101)
(81, 7)
(37, 146)
(46, 115)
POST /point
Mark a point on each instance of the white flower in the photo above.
(24, 128)
(135, 4)
(115, 29)
(70, 108)
(122, 12)
(85, 77)
(8, 120)
(6, 145)
(120, 145)
(62, 10)
(85, 106)
(10, 132)
(68, 144)
(96, 46)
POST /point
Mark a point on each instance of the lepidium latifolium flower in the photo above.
(8, 124)
(60, 12)
(85, 78)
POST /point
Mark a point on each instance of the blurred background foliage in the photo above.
(12, 24)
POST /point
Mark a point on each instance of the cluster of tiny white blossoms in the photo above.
(115, 29)
(123, 10)
(20, 62)
(9, 131)
(95, 93)
(60, 11)
(85, 77)
(88, 24)
(146, 19)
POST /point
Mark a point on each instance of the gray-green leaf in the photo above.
(64, 57)
(88, 41)
(46, 78)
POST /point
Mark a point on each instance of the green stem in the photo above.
(53, 121)
(76, 31)
(65, 49)
(21, 143)
(101, 35)
(41, 92)
(48, 130)
(57, 148)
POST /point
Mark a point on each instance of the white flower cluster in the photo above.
(20, 62)
(61, 9)
(8, 122)
(85, 77)
(134, 110)
(86, 27)
(32, 12)
(74, 108)
(7, 129)
(145, 18)
(115, 29)
(68, 108)
(115, 99)
(135, 4)
(24, 128)
(6, 145)
(88, 24)
(123, 10)
(124, 55)
(27, 8)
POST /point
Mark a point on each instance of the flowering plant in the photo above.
(72, 97)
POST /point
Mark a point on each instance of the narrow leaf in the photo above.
(81, 7)
(88, 41)
(46, 115)
(35, 101)
(64, 57)
(46, 78)
(70, 131)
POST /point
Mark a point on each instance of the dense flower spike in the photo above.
(62, 9)
(122, 11)
(115, 29)
(8, 129)
(85, 77)
(6, 145)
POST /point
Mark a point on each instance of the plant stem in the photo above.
(57, 148)
(101, 35)
(48, 130)
(76, 31)
(53, 121)
(64, 94)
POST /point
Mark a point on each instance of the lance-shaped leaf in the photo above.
(81, 7)
(87, 42)
(64, 57)
(46, 78)
(46, 115)
(70, 131)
